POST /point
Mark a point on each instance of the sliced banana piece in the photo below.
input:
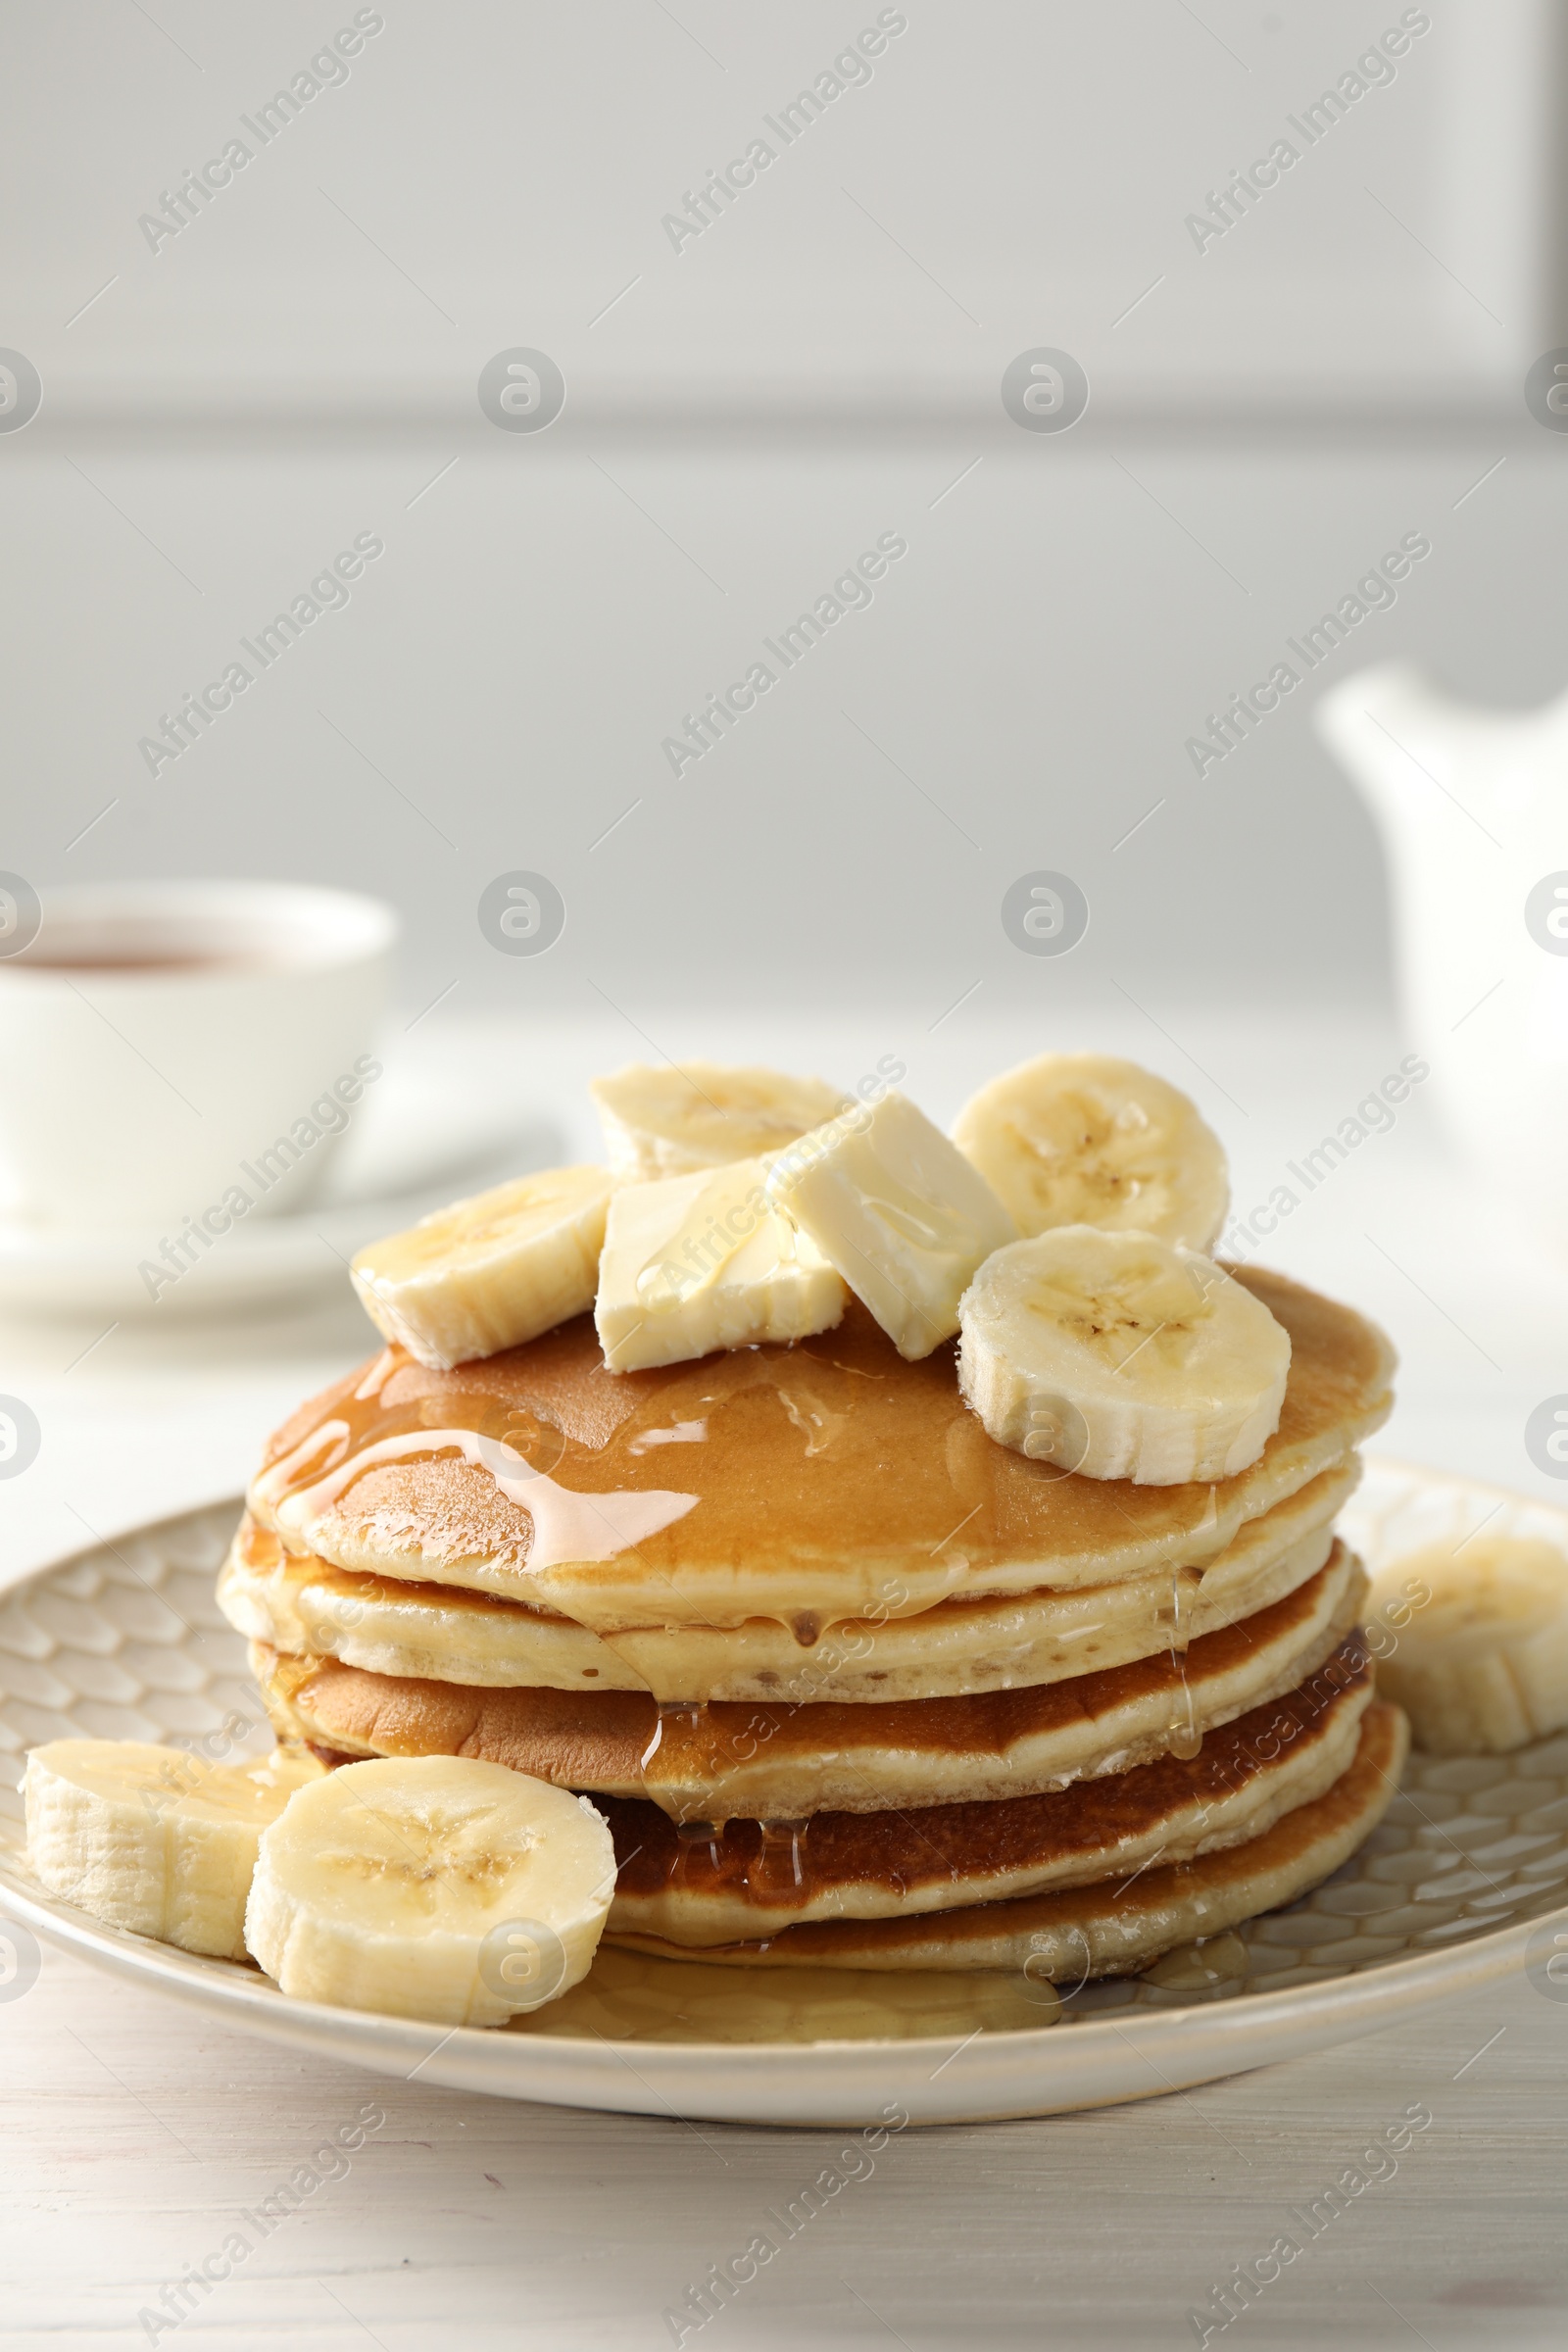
(696, 1263)
(1121, 1356)
(153, 1839)
(669, 1122)
(1083, 1139)
(897, 1210)
(433, 1886)
(489, 1272)
(1481, 1664)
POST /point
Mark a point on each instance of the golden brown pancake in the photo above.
(745, 1882)
(442, 1634)
(1118, 1926)
(810, 1484)
(770, 1763)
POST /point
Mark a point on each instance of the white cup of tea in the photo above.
(165, 1046)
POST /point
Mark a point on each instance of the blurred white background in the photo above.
(819, 365)
(1271, 410)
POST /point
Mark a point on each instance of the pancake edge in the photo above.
(890, 1778)
(1074, 1935)
(978, 1648)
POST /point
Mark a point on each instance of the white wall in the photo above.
(232, 410)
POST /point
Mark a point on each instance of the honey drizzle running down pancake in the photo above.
(700, 1884)
(1112, 1928)
(810, 1484)
(716, 1762)
(440, 1633)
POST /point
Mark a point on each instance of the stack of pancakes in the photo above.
(852, 1684)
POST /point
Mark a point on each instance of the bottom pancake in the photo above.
(1115, 1928)
(700, 1884)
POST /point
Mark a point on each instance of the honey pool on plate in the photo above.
(635, 1997)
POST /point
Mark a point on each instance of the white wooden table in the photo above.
(134, 2137)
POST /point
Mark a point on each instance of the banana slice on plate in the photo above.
(898, 1211)
(434, 1887)
(153, 1839)
(489, 1272)
(1481, 1664)
(697, 1264)
(669, 1122)
(1083, 1139)
(1121, 1356)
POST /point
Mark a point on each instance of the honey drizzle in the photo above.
(778, 1869)
(683, 1771)
(1184, 1737)
(569, 1524)
(694, 1838)
(832, 1454)
(769, 1859)
(679, 1754)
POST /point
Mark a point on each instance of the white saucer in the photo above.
(430, 1135)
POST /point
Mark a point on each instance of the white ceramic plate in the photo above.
(1466, 1881)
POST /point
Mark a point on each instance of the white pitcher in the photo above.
(1472, 806)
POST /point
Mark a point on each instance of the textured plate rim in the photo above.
(994, 2073)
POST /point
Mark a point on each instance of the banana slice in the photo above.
(489, 1272)
(433, 1886)
(153, 1839)
(1480, 1664)
(899, 1210)
(1120, 1356)
(696, 1263)
(669, 1122)
(1083, 1139)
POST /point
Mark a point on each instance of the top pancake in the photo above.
(813, 1482)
